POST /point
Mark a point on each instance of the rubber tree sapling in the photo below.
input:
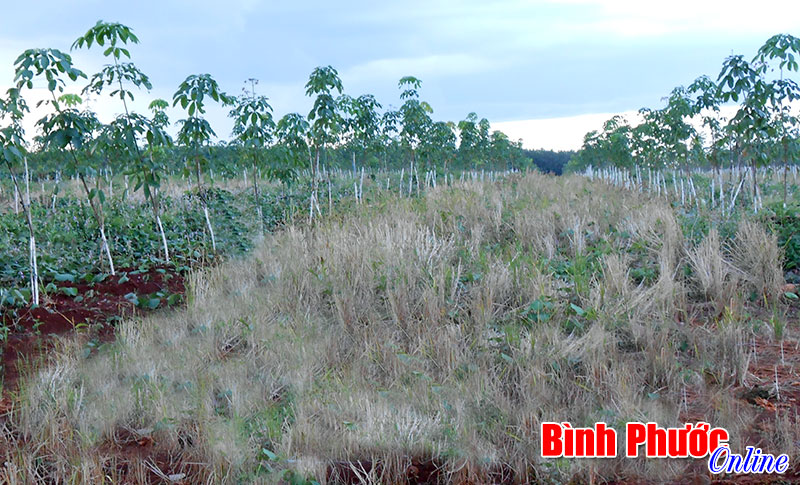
(439, 144)
(146, 172)
(254, 129)
(751, 125)
(13, 144)
(785, 48)
(128, 127)
(615, 142)
(414, 117)
(389, 132)
(469, 140)
(646, 145)
(363, 123)
(325, 119)
(292, 146)
(500, 148)
(195, 131)
(65, 128)
(676, 131)
(150, 170)
(706, 105)
(292, 133)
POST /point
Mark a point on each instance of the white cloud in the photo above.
(635, 18)
(566, 133)
(431, 66)
(556, 133)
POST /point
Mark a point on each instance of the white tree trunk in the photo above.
(210, 229)
(107, 249)
(34, 272)
(163, 238)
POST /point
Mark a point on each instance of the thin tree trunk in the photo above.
(34, 276)
(204, 203)
(755, 185)
(210, 229)
(98, 216)
(785, 172)
(163, 238)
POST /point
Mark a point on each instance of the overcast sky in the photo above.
(543, 71)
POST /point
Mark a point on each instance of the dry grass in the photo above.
(444, 327)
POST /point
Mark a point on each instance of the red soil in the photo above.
(33, 330)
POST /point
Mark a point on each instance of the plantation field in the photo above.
(423, 339)
(77, 291)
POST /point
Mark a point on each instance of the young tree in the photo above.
(127, 128)
(292, 133)
(469, 140)
(292, 147)
(387, 139)
(118, 73)
(615, 142)
(253, 128)
(12, 142)
(707, 105)
(676, 131)
(784, 48)
(501, 149)
(751, 126)
(439, 145)
(363, 123)
(324, 117)
(414, 116)
(196, 132)
(65, 128)
(646, 147)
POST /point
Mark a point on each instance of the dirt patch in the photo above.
(90, 311)
(417, 471)
(135, 456)
(90, 308)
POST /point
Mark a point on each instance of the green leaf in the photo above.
(405, 358)
(69, 291)
(62, 277)
(131, 297)
(578, 310)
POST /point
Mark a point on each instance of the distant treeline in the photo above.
(549, 161)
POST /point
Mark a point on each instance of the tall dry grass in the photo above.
(443, 327)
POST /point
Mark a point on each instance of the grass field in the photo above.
(424, 340)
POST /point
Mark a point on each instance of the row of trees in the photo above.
(139, 145)
(691, 131)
